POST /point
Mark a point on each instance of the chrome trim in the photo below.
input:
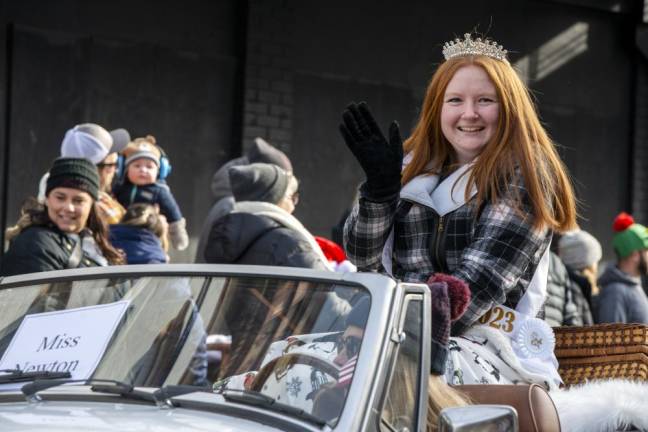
(425, 352)
(411, 292)
(363, 392)
(184, 269)
(477, 418)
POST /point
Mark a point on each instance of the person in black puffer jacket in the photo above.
(65, 231)
(260, 151)
(261, 229)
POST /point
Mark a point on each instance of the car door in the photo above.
(404, 401)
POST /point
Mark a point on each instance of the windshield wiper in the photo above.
(17, 375)
(259, 399)
(125, 390)
(169, 391)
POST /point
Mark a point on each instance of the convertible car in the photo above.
(208, 347)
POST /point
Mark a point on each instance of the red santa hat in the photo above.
(332, 251)
(335, 254)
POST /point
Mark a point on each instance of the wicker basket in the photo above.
(602, 351)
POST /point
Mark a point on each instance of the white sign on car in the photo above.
(72, 340)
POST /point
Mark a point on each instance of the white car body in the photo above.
(78, 408)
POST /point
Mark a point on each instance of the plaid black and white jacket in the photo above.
(432, 228)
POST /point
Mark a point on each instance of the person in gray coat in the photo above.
(261, 151)
(622, 299)
(556, 306)
(580, 251)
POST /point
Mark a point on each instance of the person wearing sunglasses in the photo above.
(109, 208)
(348, 345)
(92, 142)
(328, 401)
(261, 229)
(260, 151)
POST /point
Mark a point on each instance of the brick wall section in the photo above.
(268, 105)
(640, 150)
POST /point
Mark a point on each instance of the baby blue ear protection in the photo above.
(163, 171)
(165, 165)
(120, 171)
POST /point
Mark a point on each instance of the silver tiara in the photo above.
(477, 46)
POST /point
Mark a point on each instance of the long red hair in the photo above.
(520, 142)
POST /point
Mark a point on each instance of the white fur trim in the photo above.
(42, 186)
(601, 406)
(345, 266)
(444, 197)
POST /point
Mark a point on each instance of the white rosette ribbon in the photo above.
(533, 338)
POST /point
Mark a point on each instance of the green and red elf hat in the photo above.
(629, 236)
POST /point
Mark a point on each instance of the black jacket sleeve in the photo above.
(299, 253)
(36, 249)
(285, 248)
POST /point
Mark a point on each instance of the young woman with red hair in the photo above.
(477, 196)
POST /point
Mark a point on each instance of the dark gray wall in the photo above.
(206, 77)
(124, 64)
(640, 151)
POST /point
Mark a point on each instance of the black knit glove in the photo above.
(381, 160)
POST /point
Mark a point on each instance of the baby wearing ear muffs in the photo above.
(144, 167)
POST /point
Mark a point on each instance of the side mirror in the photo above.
(479, 418)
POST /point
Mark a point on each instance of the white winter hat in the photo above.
(93, 142)
(579, 249)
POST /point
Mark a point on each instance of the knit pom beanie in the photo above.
(629, 236)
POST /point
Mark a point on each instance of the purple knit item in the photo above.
(440, 327)
(458, 292)
(440, 312)
(450, 298)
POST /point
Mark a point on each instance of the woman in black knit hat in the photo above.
(65, 231)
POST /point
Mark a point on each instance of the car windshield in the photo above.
(293, 340)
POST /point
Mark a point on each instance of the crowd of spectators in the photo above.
(105, 200)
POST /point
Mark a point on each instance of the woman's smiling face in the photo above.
(470, 112)
(69, 208)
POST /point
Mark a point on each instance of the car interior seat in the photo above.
(536, 411)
